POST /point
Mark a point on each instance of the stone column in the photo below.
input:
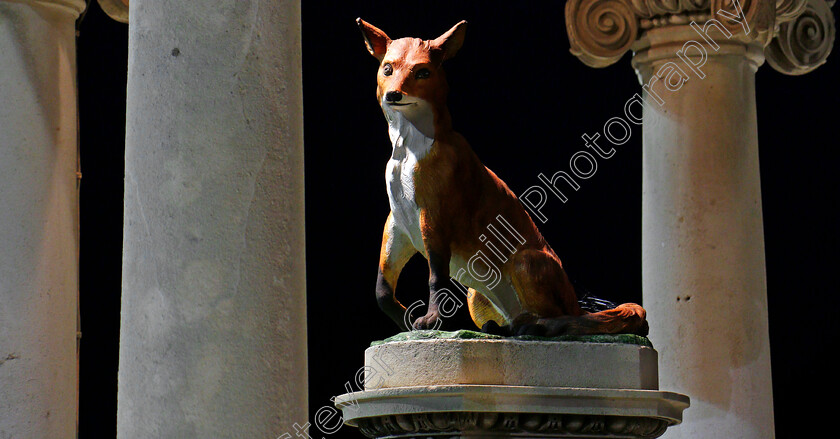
(213, 326)
(702, 236)
(39, 230)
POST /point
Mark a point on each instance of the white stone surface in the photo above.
(702, 238)
(38, 219)
(213, 327)
(512, 399)
(511, 363)
(510, 388)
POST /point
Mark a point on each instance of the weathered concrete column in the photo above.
(702, 235)
(703, 240)
(39, 227)
(213, 329)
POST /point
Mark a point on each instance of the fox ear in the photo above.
(375, 40)
(452, 40)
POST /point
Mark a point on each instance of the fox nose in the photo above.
(393, 96)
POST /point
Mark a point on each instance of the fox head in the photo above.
(410, 80)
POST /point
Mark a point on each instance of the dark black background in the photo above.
(523, 101)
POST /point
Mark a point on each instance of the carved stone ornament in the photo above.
(467, 384)
(511, 411)
(511, 424)
(601, 31)
(798, 34)
(116, 9)
(803, 43)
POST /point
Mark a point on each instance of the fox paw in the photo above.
(428, 321)
(493, 328)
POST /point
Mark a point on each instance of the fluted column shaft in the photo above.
(38, 219)
(213, 326)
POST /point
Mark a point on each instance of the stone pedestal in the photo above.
(466, 384)
(39, 228)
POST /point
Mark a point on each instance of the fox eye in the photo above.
(422, 74)
(387, 70)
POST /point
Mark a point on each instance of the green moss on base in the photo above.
(465, 334)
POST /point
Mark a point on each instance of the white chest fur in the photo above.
(410, 145)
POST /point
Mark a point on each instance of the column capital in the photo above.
(804, 41)
(116, 9)
(75, 7)
(797, 34)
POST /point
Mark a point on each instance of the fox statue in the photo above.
(442, 197)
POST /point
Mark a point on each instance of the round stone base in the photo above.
(511, 411)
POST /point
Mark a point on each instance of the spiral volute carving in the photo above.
(787, 10)
(804, 43)
(600, 31)
(798, 34)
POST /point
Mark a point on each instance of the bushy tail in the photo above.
(627, 318)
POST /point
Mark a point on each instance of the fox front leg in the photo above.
(438, 281)
(395, 252)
